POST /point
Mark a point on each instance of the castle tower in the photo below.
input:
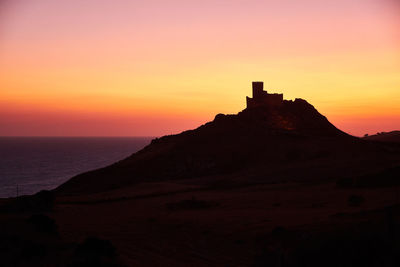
(261, 98)
(258, 88)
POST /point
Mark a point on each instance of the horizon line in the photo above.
(77, 136)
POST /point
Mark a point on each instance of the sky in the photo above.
(156, 67)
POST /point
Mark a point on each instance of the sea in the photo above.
(31, 164)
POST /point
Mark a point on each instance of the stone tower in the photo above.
(261, 98)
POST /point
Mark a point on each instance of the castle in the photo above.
(262, 98)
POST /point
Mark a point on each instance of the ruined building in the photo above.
(262, 98)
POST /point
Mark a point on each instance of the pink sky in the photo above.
(136, 68)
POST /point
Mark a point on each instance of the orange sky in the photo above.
(140, 68)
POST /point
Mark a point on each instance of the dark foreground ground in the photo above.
(277, 187)
(187, 224)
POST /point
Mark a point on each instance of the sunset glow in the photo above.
(149, 68)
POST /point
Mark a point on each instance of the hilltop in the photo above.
(393, 136)
(274, 185)
(271, 140)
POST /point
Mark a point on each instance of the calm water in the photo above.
(31, 164)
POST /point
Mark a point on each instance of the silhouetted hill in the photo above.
(292, 141)
(393, 136)
(274, 185)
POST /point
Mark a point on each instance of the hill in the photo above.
(269, 141)
(393, 136)
(274, 185)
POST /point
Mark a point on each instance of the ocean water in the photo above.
(31, 164)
